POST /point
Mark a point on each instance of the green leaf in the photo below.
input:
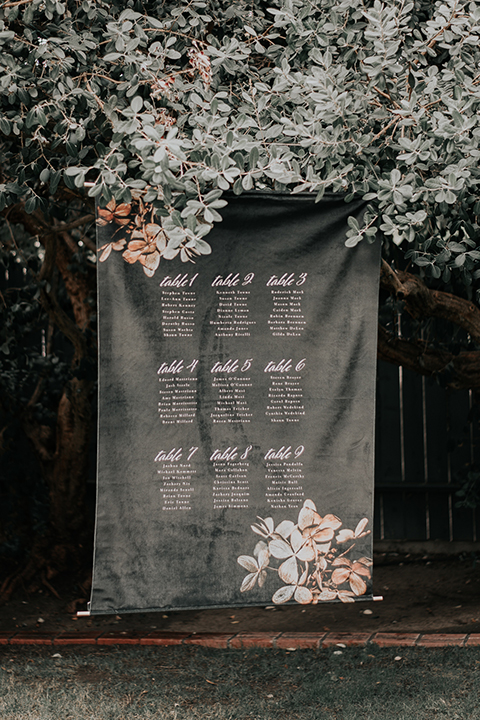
(95, 191)
(31, 118)
(253, 158)
(80, 180)
(247, 182)
(177, 219)
(237, 187)
(41, 117)
(395, 176)
(457, 118)
(69, 181)
(5, 126)
(54, 181)
(353, 241)
(71, 149)
(107, 194)
(136, 104)
(31, 205)
(212, 196)
(203, 247)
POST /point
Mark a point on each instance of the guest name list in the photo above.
(244, 385)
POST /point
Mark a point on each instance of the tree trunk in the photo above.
(62, 451)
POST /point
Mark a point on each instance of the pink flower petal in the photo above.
(280, 549)
(288, 571)
(248, 563)
(331, 521)
(340, 575)
(248, 582)
(361, 527)
(358, 585)
(106, 253)
(303, 595)
(283, 594)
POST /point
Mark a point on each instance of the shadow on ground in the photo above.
(421, 594)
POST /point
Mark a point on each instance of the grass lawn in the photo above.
(186, 683)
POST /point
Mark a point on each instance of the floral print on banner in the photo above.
(314, 566)
(141, 239)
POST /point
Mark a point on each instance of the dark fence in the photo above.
(426, 441)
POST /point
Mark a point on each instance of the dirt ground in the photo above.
(420, 594)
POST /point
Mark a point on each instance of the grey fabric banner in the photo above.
(236, 410)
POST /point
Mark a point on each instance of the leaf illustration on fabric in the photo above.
(359, 532)
(108, 247)
(311, 563)
(351, 572)
(137, 232)
(146, 246)
(255, 566)
(113, 213)
(302, 595)
(266, 528)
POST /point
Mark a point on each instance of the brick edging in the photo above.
(274, 640)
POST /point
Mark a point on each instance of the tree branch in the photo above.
(51, 305)
(456, 371)
(15, 4)
(74, 224)
(64, 324)
(422, 302)
(388, 96)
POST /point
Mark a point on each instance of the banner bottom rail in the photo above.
(87, 613)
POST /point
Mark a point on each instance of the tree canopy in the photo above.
(167, 106)
(181, 102)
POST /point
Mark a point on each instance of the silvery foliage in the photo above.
(184, 101)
